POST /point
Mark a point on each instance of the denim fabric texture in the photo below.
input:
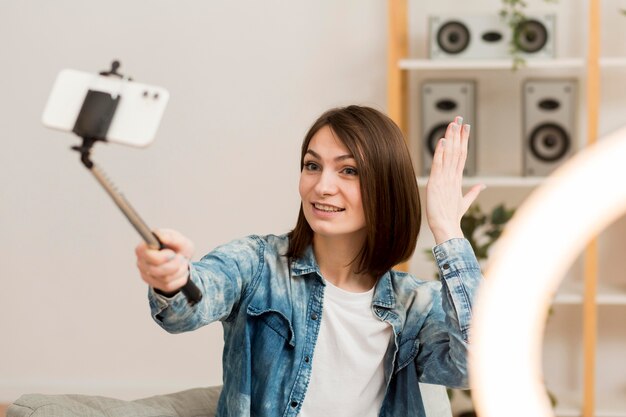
(271, 311)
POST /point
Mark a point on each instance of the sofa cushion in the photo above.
(197, 402)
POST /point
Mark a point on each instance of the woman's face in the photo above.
(330, 188)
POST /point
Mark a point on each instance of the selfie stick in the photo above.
(92, 124)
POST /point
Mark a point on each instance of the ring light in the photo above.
(544, 237)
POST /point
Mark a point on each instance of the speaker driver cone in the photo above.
(531, 36)
(453, 37)
(549, 142)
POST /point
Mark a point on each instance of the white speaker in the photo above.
(441, 102)
(488, 36)
(548, 124)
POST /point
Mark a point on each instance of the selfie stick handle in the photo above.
(190, 290)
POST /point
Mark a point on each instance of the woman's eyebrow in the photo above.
(338, 158)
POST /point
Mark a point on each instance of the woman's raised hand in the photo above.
(168, 269)
(445, 202)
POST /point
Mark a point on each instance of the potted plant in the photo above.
(482, 230)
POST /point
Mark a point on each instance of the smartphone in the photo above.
(135, 120)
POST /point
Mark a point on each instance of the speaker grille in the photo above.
(453, 37)
(549, 142)
(531, 36)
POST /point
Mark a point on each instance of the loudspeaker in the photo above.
(548, 124)
(441, 102)
(488, 36)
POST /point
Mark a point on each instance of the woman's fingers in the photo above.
(448, 148)
(161, 270)
(163, 276)
(166, 269)
(451, 151)
(153, 256)
(175, 241)
(464, 140)
(437, 163)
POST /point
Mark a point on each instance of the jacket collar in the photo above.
(305, 264)
(383, 292)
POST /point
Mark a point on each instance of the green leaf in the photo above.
(481, 251)
(500, 215)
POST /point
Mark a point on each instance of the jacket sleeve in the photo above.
(444, 337)
(224, 276)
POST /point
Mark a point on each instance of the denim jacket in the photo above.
(271, 311)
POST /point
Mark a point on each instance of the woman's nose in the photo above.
(327, 184)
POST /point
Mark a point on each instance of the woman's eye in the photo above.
(350, 171)
(311, 166)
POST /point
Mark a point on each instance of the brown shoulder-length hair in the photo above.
(388, 188)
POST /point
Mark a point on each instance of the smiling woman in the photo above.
(316, 320)
(368, 168)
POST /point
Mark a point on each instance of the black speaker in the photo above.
(488, 36)
(441, 102)
(548, 124)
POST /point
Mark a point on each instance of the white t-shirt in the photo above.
(348, 375)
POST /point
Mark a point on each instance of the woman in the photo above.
(315, 322)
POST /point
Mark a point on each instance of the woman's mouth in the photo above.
(327, 208)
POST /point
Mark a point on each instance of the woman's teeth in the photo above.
(326, 208)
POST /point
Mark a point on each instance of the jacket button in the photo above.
(294, 404)
(307, 359)
(313, 316)
(446, 266)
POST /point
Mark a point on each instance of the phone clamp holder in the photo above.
(92, 125)
(115, 65)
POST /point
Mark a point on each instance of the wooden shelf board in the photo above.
(486, 64)
(505, 64)
(613, 62)
(608, 294)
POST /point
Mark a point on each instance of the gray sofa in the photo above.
(197, 402)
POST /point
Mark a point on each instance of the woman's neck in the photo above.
(335, 256)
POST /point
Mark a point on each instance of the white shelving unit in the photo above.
(569, 299)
